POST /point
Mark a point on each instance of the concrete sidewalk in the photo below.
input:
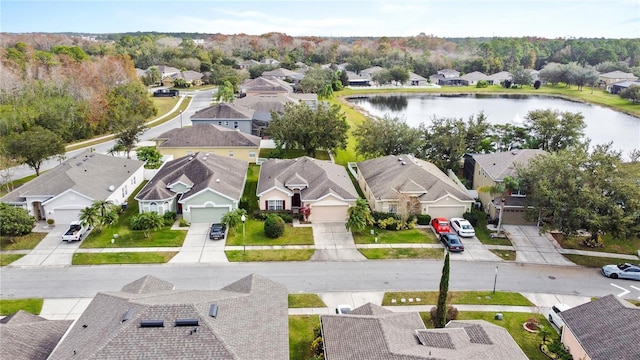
(72, 308)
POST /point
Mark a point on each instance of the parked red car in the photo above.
(440, 225)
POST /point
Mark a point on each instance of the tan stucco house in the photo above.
(387, 180)
(209, 138)
(289, 184)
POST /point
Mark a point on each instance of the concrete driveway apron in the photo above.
(334, 242)
(532, 247)
(198, 248)
(51, 251)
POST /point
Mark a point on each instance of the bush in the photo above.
(452, 313)
(557, 347)
(482, 84)
(377, 216)
(15, 221)
(169, 218)
(263, 215)
(183, 223)
(389, 224)
(424, 219)
(471, 217)
(274, 226)
(50, 222)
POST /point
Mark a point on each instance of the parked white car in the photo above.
(554, 314)
(462, 227)
(343, 309)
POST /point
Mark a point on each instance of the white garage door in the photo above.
(329, 213)
(446, 211)
(65, 216)
(207, 215)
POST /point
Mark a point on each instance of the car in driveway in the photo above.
(462, 226)
(343, 309)
(622, 271)
(554, 314)
(440, 225)
(217, 231)
(452, 242)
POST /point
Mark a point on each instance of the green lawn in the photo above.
(9, 306)
(6, 259)
(301, 336)
(424, 236)
(254, 235)
(594, 261)
(458, 297)
(269, 255)
(483, 233)
(164, 237)
(249, 196)
(508, 255)
(293, 153)
(305, 301)
(122, 258)
(26, 242)
(628, 246)
(528, 342)
(402, 253)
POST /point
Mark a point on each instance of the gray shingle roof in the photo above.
(608, 328)
(501, 164)
(207, 135)
(387, 175)
(474, 76)
(202, 170)
(29, 337)
(87, 173)
(188, 75)
(266, 102)
(323, 178)
(618, 75)
(266, 85)
(224, 111)
(376, 333)
(250, 324)
(147, 284)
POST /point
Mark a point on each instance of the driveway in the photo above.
(198, 248)
(51, 251)
(474, 250)
(334, 242)
(534, 248)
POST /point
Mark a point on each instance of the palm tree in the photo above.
(504, 189)
(89, 216)
(233, 218)
(147, 222)
(359, 216)
(105, 212)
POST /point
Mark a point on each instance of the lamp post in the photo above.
(244, 244)
(181, 119)
(495, 279)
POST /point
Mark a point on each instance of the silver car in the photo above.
(622, 271)
(462, 227)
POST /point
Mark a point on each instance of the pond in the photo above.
(602, 124)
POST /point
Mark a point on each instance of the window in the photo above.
(252, 154)
(235, 124)
(220, 123)
(153, 207)
(226, 123)
(393, 208)
(275, 205)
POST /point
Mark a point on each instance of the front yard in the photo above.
(26, 242)
(254, 235)
(122, 258)
(413, 236)
(629, 246)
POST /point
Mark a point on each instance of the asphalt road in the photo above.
(86, 281)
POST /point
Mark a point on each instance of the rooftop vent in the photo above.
(218, 180)
(126, 315)
(404, 163)
(112, 188)
(151, 323)
(213, 310)
(399, 159)
(187, 322)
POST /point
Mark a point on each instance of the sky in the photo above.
(441, 18)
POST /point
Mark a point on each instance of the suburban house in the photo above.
(150, 319)
(487, 170)
(620, 86)
(294, 183)
(425, 189)
(368, 72)
(448, 73)
(499, 77)
(472, 78)
(416, 80)
(165, 71)
(24, 336)
(63, 191)
(247, 64)
(225, 115)
(357, 80)
(613, 77)
(202, 187)
(263, 85)
(264, 104)
(607, 328)
(189, 76)
(209, 138)
(373, 332)
(283, 74)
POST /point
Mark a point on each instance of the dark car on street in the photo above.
(217, 231)
(452, 242)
